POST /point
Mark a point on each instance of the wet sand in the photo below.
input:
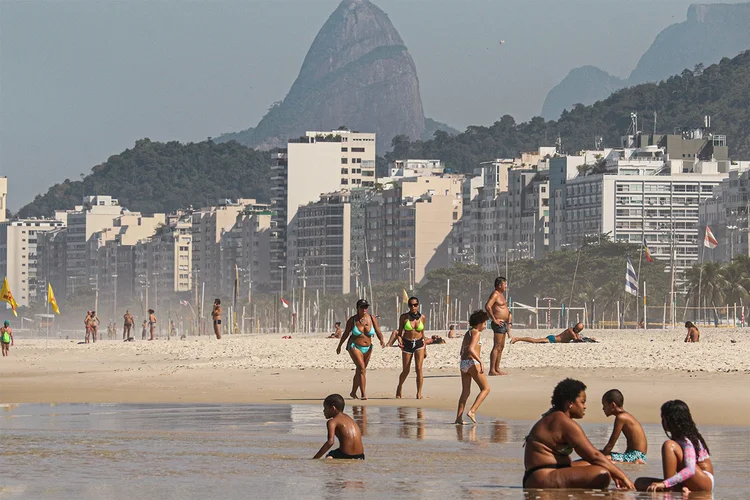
(648, 367)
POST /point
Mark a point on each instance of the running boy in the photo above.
(341, 426)
(637, 444)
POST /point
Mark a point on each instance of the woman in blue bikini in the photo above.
(362, 327)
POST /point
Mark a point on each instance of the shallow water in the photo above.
(255, 451)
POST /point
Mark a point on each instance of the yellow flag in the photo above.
(51, 299)
(6, 296)
(406, 296)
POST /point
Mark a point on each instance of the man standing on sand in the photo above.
(502, 320)
(128, 323)
(566, 336)
(216, 315)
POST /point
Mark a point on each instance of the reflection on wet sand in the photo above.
(466, 433)
(359, 414)
(500, 432)
(406, 424)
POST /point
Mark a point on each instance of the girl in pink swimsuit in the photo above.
(685, 459)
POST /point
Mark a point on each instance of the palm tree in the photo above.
(736, 282)
(705, 284)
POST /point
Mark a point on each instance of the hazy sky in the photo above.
(82, 80)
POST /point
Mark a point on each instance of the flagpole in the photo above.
(46, 338)
(640, 257)
(700, 279)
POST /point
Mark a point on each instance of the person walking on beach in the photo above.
(636, 442)
(685, 460)
(151, 324)
(564, 337)
(411, 340)
(94, 322)
(144, 329)
(553, 439)
(471, 366)
(693, 334)
(6, 337)
(87, 326)
(216, 315)
(127, 325)
(362, 327)
(497, 309)
(342, 427)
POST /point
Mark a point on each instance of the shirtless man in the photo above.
(216, 315)
(693, 334)
(564, 337)
(497, 309)
(128, 323)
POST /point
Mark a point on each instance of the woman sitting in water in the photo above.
(362, 327)
(554, 438)
(685, 459)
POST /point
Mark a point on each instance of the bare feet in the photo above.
(419, 396)
(363, 398)
(398, 393)
(470, 414)
(353, 395)
(498, 373)
(513, 340)
(459, 421)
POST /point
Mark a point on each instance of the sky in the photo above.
(83, 80)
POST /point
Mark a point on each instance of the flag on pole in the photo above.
(184, 303)
(284, 303)
(6, 296)
(405, 298)
(51, 299)
(647, 252)
(710, 241)
(631, 279)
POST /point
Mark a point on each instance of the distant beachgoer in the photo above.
(636, 442)
(6, 337)
(94, 321)
(337, 333)
(471, 366)
(127, 325)
(685, 460)
(216, 315)
(151, 324)
(502, 320)
(553, 439)
(566, 336)
(341, 426)
(411, 340)
(693, 334)
(87, 325)
(452, 332)
(362, 327)
(144, 329)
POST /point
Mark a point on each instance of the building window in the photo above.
(358, 150)
(344, 161)
(344, 170)
(344, 181)
(344, 150)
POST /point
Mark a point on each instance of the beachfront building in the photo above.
(409, 227)
(318, 162)
(209, 226)
(18, 257)
(51, 249)
(727, 213)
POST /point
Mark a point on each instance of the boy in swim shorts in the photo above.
(637, 444)
(341, 426)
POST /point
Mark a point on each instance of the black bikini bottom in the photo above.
(529, 472)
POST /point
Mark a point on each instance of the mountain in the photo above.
(357, 73)
(711, 31)
(719, 90)
(162, 177)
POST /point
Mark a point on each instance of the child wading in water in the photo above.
(637, 444)
(341, 426)
(685, 460)
(471, 366)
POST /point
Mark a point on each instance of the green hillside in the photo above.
(720, 90)
(161, 177)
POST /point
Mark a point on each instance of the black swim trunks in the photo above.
(502, 328)
(411, 346)
(337, 453)
(217, 321)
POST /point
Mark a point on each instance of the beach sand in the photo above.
(649, 367)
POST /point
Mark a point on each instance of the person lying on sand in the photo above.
(637, 444)
(336, 334)
(341, 426)
(566, 336)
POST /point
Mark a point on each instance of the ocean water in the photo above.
(129, 451)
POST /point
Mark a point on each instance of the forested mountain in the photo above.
(161, 177)
(720, 90)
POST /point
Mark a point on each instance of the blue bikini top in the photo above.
(369, 333)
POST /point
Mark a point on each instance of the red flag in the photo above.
(710, 241)
(284, 302)
(648, 253)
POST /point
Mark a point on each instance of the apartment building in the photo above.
(319, 162)
(18, 257)
(51, 260)
(727, 213)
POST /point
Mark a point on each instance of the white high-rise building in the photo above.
(317, 163)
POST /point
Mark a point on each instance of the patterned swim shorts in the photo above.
(629, 456)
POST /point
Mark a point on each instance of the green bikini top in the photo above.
(408, 327)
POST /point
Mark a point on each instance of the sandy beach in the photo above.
(650, 367)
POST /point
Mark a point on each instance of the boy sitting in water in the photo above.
(341, 426)
(637, 444)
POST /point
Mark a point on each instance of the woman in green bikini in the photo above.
(410, 336)
(362, 327)
(554, 438)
